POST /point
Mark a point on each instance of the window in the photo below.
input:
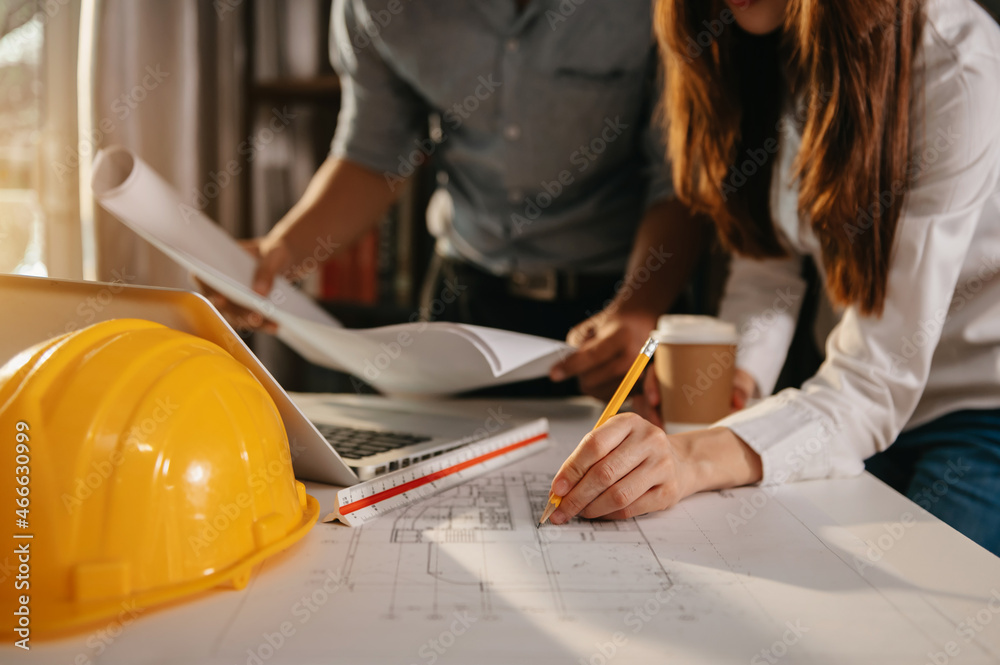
(21, 221)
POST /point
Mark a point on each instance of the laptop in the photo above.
(334, 440)
(377, 435)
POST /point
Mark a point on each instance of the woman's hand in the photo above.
(624, 468)
(629, 467)
(744, 388)
(647, 404)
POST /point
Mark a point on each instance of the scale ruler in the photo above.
(366, 501)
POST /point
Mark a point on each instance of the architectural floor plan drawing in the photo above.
(728, 576)
(744, 576)
(461, 548)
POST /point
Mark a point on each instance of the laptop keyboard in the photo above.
(358, 443)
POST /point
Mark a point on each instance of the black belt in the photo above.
(546, 285)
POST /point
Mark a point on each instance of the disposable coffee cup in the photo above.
(694, 365)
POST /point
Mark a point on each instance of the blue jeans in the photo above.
(951, 468)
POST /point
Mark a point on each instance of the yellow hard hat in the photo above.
(156, 465)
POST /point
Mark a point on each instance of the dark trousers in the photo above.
(951, 468)
(461, 293)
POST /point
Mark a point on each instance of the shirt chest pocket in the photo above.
(587, 121)
(602, 42)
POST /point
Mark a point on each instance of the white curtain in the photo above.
(166, 81)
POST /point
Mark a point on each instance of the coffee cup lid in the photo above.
(690, 329)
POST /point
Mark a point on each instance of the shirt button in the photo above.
(513, 45)
(512, 132)
(515, 196)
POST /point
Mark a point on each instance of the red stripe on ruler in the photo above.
(430, 478)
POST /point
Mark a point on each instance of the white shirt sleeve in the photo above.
(762, 299)
(876, 367)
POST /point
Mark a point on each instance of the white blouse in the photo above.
(936, 347)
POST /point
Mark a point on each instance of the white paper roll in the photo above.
(415, 358)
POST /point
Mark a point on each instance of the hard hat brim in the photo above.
(67, 619)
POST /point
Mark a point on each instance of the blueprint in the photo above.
(465, 576)
(468, 549)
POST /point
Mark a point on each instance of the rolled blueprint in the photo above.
(412, 358)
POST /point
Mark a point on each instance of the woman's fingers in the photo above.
(625, 491)
(657, 497)
(651, 387)
(626, 448)
(604, 474)
(738, 400)
(647, 404)
(744, 388)
(593, 448)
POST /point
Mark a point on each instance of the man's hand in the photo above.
(629, 466)
(607, 344)
(353, 195)
(273, 259)
(666, 248)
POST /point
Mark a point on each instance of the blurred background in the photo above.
(233, 102)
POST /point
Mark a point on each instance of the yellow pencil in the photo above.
(612, 408)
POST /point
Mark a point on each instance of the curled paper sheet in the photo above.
(413, 358)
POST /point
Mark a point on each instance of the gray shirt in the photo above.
(540, 121)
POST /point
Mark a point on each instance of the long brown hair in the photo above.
(848, 66)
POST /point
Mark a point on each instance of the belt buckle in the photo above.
(534, 285)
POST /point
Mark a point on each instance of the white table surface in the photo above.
(936, 575)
